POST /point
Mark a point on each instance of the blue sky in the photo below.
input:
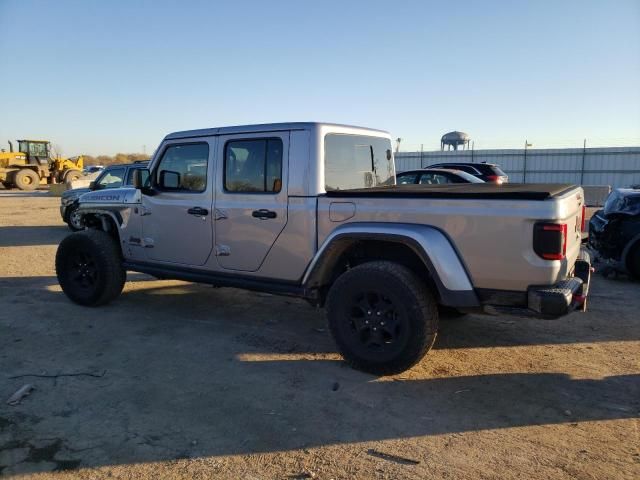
(112, 76)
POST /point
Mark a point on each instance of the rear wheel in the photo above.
(89, 268)
(26, 179)
(382, 316)
(634, 262)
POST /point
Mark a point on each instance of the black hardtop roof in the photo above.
(137, 163)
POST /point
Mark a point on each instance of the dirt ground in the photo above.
(189, 381)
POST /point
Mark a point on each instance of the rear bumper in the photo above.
(553, 301)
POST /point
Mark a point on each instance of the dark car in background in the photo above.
(614, 231)
(435, 176)
(487, 172)
(114, 176)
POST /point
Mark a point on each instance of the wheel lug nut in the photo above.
(368, 312)
(378, 313)
(381, 323)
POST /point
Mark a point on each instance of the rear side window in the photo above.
(434, 179)
(487, 169)
(467, 168)
(189, 162)
(144, 176)
(356, 161)
(498, 171)
(253, 166)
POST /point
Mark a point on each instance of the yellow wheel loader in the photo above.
(32, 165)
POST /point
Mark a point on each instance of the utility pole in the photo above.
(524, 168)
(584, 155)
(421, 150)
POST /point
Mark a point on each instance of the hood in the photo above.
(111, 196)
(623, 201)
(74, 193)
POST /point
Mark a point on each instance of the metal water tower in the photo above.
(455, 139)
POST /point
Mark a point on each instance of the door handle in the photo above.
(263, 214)
(198, 212)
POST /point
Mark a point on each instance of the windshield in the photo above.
(357, 161)
(33, 149)
(619, 202)
(112, 178)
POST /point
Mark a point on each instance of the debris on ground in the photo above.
(22, 392)
(392, 458)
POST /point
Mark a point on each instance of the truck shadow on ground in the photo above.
(21, 236)
(191, 371)
(42, 192)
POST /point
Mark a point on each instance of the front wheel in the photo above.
(382, 316)
(89, 268)
(74, 219)
(634, 262)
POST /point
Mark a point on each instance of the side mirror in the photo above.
(92, 186)
(169, 180)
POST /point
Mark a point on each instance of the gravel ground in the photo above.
(189, 381)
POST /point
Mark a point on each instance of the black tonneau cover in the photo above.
(478, 191)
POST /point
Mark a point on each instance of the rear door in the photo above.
(177, 220)
(251, 198)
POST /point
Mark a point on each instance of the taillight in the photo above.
(584, 218)
(550, 240)
(494, 178)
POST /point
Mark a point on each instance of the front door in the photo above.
(177, 218)
(251, 199)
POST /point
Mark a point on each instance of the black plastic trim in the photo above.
(478, 191)
(323, 268)
(221, 279)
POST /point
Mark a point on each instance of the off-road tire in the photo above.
(71, 175)
(633, 263)
(26, 179)
(408, 309)
(70, 222)
(89, 268)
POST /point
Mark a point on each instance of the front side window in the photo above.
(184, 168)
(33, 149)
(253, 166)
(112, 178)
(406, 179)
(356, 161)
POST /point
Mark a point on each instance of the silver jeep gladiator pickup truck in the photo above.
(312, 210)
